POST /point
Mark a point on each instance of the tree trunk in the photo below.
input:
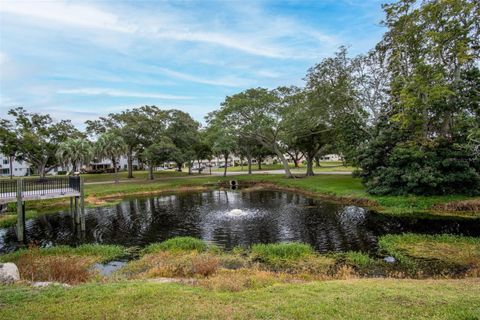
(189, 167)
(199, 170)
(150, 171)
(130, 163)
(259, 163)
(297, 159)
(310, 172)
(179, 167)
(114, 162)
(280, 155)
(226, 159)
(249, 159)
(317, 161)
(41, 170)
(11, 167)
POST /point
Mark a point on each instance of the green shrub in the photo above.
(393, 164)
(178, 244)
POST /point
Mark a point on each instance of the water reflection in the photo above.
(230, 218)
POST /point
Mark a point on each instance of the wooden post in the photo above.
(20, 212)
(71, 207)
(82, 206)
(77, 215)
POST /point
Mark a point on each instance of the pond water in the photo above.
(231, 218)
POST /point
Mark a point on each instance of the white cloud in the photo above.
(230, 81)
(262, 38)
(120, 93)
(66, 13)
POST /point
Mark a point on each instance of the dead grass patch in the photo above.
(64, 269)
(238, 280)
(472, 206)
(171, 265)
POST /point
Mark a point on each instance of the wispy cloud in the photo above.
(120, 93)
(92, 55)
(80, 15)
(173, 27)
(230, 81)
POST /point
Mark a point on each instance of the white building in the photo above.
(331, 157)
(19, 168)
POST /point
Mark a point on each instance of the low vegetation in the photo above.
(185, 277)
(178, 244)
(185, 257)
(62, 263)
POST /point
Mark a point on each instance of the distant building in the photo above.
(331, 157)
(106, 164)
(19, 168)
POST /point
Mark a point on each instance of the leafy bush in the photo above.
(391, 164)
(178, 244)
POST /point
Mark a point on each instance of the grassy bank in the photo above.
(280, 281)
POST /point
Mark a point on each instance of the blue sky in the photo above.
(82, 59)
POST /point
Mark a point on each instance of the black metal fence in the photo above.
(8, 186)
(41, 186)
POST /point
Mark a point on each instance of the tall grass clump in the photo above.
(283, 251)
(178, 244)
(72, 270)
(358, 259)
(291, 257)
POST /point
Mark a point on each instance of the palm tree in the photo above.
(112, 146)
(75, 152)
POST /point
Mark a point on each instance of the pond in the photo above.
(231, 218)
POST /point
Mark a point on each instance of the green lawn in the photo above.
(137, 175)
(339, 299)
(122, 175)
(326, 166)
